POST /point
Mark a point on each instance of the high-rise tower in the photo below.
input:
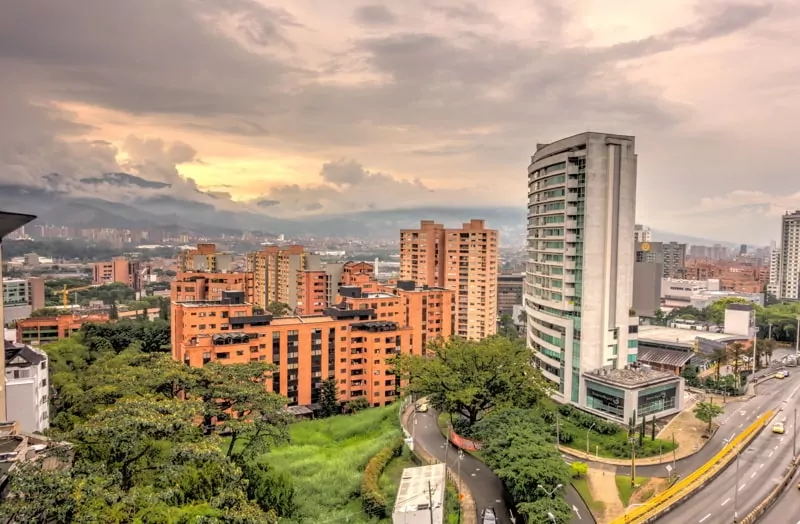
(579, 276)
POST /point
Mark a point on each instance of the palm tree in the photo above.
(718, 357)
(735, 351)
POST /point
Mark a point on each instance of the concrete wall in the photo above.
(647, 288)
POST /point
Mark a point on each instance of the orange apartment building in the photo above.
(119, 270)
(194, 286)
(318, 288)
(275, 270)
(464, 261)
(206, 258)
(43, 330)
(353, 342)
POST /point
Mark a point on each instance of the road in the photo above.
(741, 487)
(786, 509)
(487, 489)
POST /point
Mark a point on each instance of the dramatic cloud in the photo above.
(442, 100)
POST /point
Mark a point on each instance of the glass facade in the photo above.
(657, 399)
(606, 399)
(555, 266)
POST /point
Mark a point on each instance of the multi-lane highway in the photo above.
(750, 478)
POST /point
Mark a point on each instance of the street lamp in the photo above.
(552, 517)
(552, 492)
(9, 222)
(587, 438)
(736, 489)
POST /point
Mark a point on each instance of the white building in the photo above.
(642, 234)
(774, 284)
(789, 285)
(27, 387)
(420, 496)
(678, 293)
(579, 276)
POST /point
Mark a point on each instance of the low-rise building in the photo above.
(617, 394)
(420, 496)
(509, 293)
(118, 270)
(43, 330)
(27, 387)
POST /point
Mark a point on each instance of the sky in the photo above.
(301, 107)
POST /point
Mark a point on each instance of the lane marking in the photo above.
(770, 454)
(753, 475)
(740, 487)
(726, 501)
(761, 466)
(704, 518)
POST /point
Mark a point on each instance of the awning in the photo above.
(664, 357)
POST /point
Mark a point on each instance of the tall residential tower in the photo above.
(462, 260)
(789, 271)
(579, 275)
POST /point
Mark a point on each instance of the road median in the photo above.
(685, 488)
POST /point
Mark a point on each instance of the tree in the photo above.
(541, 509)
(715, 313)
(472, 377)
(113, 314)
(269, 488)
(653, 428)
(707, 412)
(46, 495)
(507, 327)
(579, 469)
(279, 309)
(659, 318)
(328, 398)
(718, 356)
(132, 436)
(357, 404)
(736, 351)
(235, 396)
(163, 309)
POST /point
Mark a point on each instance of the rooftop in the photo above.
(681, 337)
(630, 377)
(664, 357)
(29, 355)
(418, 487)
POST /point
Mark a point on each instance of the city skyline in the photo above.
(276, 106)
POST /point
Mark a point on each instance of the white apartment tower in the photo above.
(789, 285)
(579, 275)
(774, 284)
(642, 234)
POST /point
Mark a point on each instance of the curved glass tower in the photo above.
(579, 274)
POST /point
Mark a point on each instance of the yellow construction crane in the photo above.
(65, 293)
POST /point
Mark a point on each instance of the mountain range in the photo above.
(125, 201)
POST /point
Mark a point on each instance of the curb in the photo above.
(469, 511)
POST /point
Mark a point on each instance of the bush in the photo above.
(372, 498)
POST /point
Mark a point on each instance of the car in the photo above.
(782, 374)
(488, 516)
(422, 407)
(778, 428)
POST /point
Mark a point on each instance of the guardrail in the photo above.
(683, 488)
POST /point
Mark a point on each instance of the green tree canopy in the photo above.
(472, 377)
(707, 412)
(279, 309)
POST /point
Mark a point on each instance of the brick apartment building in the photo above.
(317, 288)
(118, 270)
(463, 260)
(742, 277)
(352, 342)
(43, 330)
(205, 258)
(275, 270)
(196, 286)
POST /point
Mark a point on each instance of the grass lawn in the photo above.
(625, 489)
(581, 485)
(326, 460)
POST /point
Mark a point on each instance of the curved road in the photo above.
(486, 488)
(741, 487)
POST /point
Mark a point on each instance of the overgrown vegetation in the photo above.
(326, 460)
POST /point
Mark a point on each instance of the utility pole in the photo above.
(460, 482)
(794, 437)
(558, 437)
(633, 461)
(797, 339)
(446, 446)
(430, 497)
(673, 454)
